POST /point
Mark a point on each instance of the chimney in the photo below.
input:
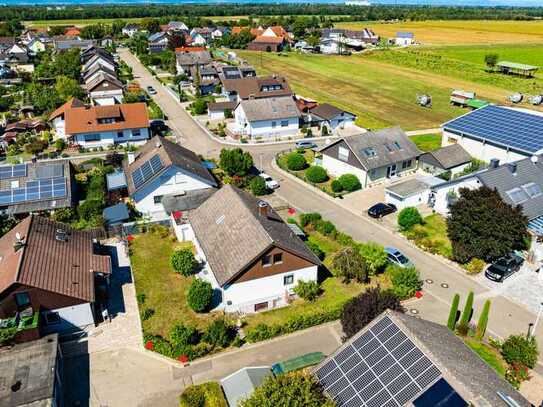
(131, 157)
(513, 168)
(263, 208)
(60, 235)
(494, 163)
(157, 143)
(534, 159)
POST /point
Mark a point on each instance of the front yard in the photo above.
(431, 235)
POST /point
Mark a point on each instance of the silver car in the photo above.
(397, 258)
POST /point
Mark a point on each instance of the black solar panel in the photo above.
(36, 190)
(382, 367)
(12, 171)
(142, 174)
(50, 171)
(502, 125)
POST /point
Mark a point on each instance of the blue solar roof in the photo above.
(502, 126)
(146, 171)
(13, 171)
(536, 226)
(35, 191)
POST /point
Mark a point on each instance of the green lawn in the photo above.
(165, 291)
(309, 157)
(432, 235)
(490, 355)
(525, 54)
(427, 142)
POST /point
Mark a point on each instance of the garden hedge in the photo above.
(296, 162)
(316, 174)
(349, 182)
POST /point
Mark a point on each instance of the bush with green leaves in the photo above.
(374, 256)
(349, 264)
(203, 395)
(193, 397)
(350, 182)
(182, 335)
(183, 262)
(325, 227)
(336, 186)
(405, 281)
(468, 311)
(296, 162)
(483, 321)
(309, 218)
(409, 217)
(308, 290)
(219, 333)
(475, 266)
(520, 349)
(453, 313)
(317, 251)
(235, 161)
(200, 295)
(7, 335)
(258, 186)
(316, 174)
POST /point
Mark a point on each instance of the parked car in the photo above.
(270, 182)
(305, 144)
(504, 267)
(397, 258)
(151, 90)
(381, 209)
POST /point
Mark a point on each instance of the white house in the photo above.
(157, 42)
(36, 45)
(248, 253)
(198, 40)
(163, 169)
(411, 192)
(216, 111)
(267, 118)
(331, 117)
(404, 39)
(452, 158)
(130, 29)
(101, 126)
(505, 133)
(105, 89)
(98, 60)
(374, 157)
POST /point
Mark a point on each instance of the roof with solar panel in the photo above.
(159, 154)
(518, 129)
(400, 360)
(35, 186)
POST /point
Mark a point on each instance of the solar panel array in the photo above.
(149, 168)
(12, 171)
(380, 368)
(504, 126)
(35, 191)
(50, 171)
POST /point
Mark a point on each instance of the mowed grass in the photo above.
(165, 291)
(427, 142)
(458, 32)
(380, 93)
(490, 355)
(432, 235)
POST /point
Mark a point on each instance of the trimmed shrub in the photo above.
(475, 266)
(408, 218)
(296, 162)
(453, 313)
(314, 247)
(316, 174)
(258, 186)
(219, 333)
(183, 262)
(181, 335)
(308, 290)
(350, 182)
(206, 394)
(336, 186)
(468, 310)
(309, 218)
(405, 281)
(193, 397)
(200, 295)
(519, 349)
(483, 321)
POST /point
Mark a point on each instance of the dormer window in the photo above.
(370, 152)
(107, 120)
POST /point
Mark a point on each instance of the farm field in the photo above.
(381, 93)
(459, 32)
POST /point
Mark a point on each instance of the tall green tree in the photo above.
(67, 88)
(374, 256)
(482, 225)
(483, 321)
(349, 264)
(468, 310)
(235, 161)
(453, 313)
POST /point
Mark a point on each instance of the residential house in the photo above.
(33, 373)
(50, 268)
(273, 38)
(249, 254)
(36, 186)
(101, 126)
(97, 69)
(157, 42)
(164, 169)
(331, 117)
(16, 54)
(36, 45)
(366, 35)
(93, 50)
(219, 32)
(188, 58)
(255, 88)
(176, 27)
(266, 118)
(205, 33)
(413, 191)
(452, 158)
(63, 43)
(373, 157)
(6, 43)
(216, 111)
(209, 79)
(105, 89)
(130, 29)
(99, 60)
(198, 39)
(505, 133)
(13, 130)
(402, 360)
(240, 385)
(235, 72)
(72, 32)
(404, 38)
(247, 71)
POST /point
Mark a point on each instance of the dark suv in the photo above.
(504, 267)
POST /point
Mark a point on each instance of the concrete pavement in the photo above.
(506, 317)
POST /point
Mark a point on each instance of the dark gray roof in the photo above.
(447, 157)
(382, 143)
(193, 58)
(505, 178)
(191, 200)
(115, 214)
(33, 364)
(327, 111)
(232, 233)
(407, 188)
(241, 384)
(220, 106)
(270, 108)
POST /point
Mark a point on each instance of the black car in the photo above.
(504, 267)
(381, 209)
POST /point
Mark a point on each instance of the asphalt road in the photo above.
(506, 317)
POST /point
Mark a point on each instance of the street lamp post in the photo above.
(538, 317)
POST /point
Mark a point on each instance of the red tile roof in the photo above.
(190, 49)
(73, 102)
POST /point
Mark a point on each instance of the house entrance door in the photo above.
(391, 171)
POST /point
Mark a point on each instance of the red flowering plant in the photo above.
(149, 345)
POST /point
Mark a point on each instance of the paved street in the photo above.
(506, 316)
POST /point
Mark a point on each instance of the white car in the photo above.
(270, 182)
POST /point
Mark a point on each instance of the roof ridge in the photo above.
(239, 192)
(23, 248)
